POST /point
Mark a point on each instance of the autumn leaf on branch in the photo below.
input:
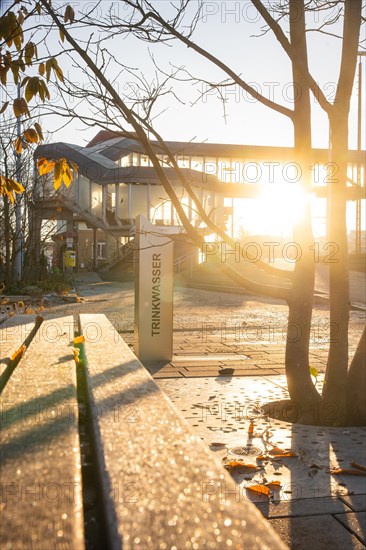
(9, 186)
(69, 14)
(62, 170)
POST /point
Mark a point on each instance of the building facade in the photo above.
(116, 181)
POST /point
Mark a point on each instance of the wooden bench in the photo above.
(160, 487)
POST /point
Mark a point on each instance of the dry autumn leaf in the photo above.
(261, 489)
(79, 340)
(19, 353)
(234, 464)
(274, 483)
(76, 353)
(251, 427)
(277, 452)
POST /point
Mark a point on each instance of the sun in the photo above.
(274, 212)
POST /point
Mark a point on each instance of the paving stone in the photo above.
(303, 507)
(354, 522)
(356, 502)
(159, 375)
(315, 532)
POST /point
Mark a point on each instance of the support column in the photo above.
(148, 200)
(129, 200)
(95, 248)
(104, 204)
(117, 199)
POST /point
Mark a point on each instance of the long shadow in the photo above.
(40, 435)
(12, 363)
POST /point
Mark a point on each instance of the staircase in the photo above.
(111, 224)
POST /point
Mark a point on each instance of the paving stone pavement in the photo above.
(228, 361)
(213, 331)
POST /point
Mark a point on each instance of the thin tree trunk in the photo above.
(334, 391)
(7, 240)
(300, 386)
(356, 385)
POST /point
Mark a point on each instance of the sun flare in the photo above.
(274, 212)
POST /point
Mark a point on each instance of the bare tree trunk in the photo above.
(334, 391)
(356, 385)
(300, 386)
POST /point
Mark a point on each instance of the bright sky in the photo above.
(226, 29)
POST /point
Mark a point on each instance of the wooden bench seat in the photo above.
(41, 491)
(159, 486)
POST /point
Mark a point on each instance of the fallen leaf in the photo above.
(79, 340)
(251, 427)
(233, 464)
(277, 452)
(217, 444)
(19, 353)
(261, 489)
(274, 483)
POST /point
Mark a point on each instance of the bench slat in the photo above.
(156, 474)
(13, 333)
(41, 492)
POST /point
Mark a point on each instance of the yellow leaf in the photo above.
(15, 186)
(43, 90)
(57, 175)
(48, 68)
(15, 71)
(29, 52)
(251, 427)
(79, 340)
(313, 371)
(74, 166)
(41, 69)
(17, 108)
(32, 88)
(62, 36)
(45, 166)
(31, 135)
(24, 81)
(18, 145)
(66, 174)
(4, 107)
(19, 353)
(38, 128)
(58, 71)
(3, 75)
(261, 489)
(274, 483)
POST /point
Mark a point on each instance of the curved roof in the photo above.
(97, 165)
